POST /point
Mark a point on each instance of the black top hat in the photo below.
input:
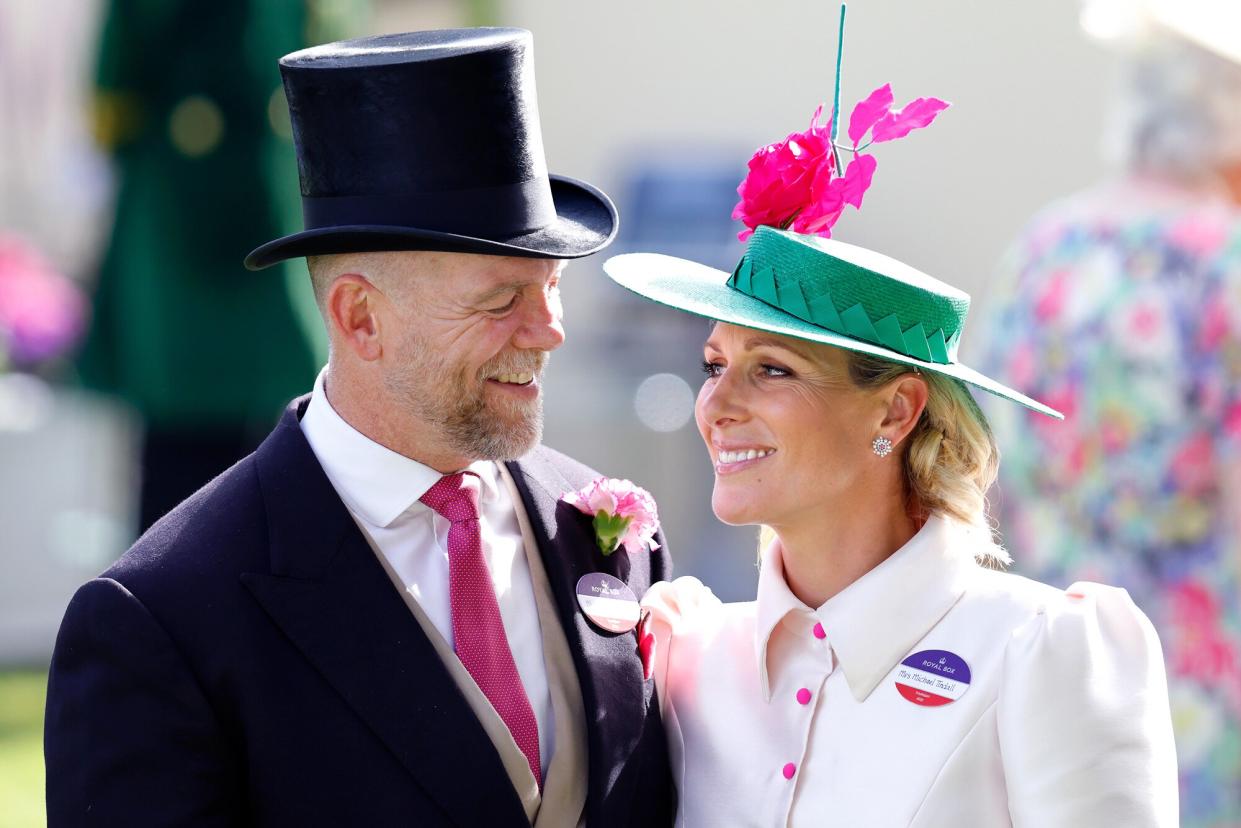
(429, 141)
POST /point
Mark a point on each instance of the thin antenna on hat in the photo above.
(840, 48)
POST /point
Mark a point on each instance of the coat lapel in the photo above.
(609, 670)
(335, 603)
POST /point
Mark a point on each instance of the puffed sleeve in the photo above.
(1084, 724)
(668, 608)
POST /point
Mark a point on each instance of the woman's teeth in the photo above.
(727, 457)
(515, 379)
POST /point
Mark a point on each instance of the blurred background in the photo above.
(144, 150)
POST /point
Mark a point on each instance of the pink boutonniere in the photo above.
(624, 514)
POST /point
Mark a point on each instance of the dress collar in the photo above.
(374, 482)
(873, 623)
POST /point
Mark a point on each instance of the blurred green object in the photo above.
(190, 106)
(22, 694)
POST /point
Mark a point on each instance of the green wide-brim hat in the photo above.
(822, 290)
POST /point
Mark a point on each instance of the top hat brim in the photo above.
(704, 291)
(586, 222)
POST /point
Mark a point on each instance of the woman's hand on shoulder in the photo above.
(679, 601)
(670, 608)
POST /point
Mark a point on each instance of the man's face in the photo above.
(467, 341)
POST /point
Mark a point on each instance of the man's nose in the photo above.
(540, 324)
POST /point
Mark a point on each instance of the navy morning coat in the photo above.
(248, 662)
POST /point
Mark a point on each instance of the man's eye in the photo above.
(505, 308)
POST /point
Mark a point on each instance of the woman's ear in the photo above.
(352, 304)
(906, 397)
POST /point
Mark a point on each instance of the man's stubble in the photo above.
(457, 405)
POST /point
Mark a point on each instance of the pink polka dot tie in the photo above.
(477, 628)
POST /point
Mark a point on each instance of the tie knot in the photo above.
(454, 497)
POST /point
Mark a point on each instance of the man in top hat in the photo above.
(373, 619)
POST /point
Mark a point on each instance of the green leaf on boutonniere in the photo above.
(609, 529)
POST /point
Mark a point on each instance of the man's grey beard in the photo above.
(456, 406)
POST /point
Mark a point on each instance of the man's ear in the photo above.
(352, 304)
(906, 398)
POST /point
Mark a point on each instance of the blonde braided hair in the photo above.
(950, 458)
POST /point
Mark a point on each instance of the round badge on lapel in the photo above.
(608, 602)
(931, 678)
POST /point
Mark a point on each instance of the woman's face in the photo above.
(788, 432)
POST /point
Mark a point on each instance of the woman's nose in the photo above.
(721, 399)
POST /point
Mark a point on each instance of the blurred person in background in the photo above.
(190, 107)
(1121, 306)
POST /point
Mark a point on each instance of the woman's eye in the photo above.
(776, 371)
(714, 369)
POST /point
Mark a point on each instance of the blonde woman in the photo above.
(889, 672)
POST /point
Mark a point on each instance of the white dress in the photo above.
(930, 692)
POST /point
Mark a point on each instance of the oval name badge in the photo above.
(608, 602)
(931, 678)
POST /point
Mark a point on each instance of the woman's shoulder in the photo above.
(1082, 712)
(1081, 622)
(1035, 597)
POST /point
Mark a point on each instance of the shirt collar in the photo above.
(373, 481)
(876, 620)
(775, 602)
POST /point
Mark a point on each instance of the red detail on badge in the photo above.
(921, 697)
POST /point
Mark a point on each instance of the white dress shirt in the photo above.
(778, 714)
(380, 488)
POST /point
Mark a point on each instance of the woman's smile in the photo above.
(731, 461)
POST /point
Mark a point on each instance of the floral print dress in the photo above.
(1122, 308)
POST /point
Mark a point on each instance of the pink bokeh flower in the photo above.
(624, 514)
(1202, 648)
(41, 312)
(801, 183)
(1193, 465)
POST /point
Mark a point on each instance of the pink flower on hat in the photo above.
(800, 182)
(624, 514)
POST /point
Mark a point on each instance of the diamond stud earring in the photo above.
(882, 446)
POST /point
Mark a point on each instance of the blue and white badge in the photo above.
(931, 678)
(608, 602)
